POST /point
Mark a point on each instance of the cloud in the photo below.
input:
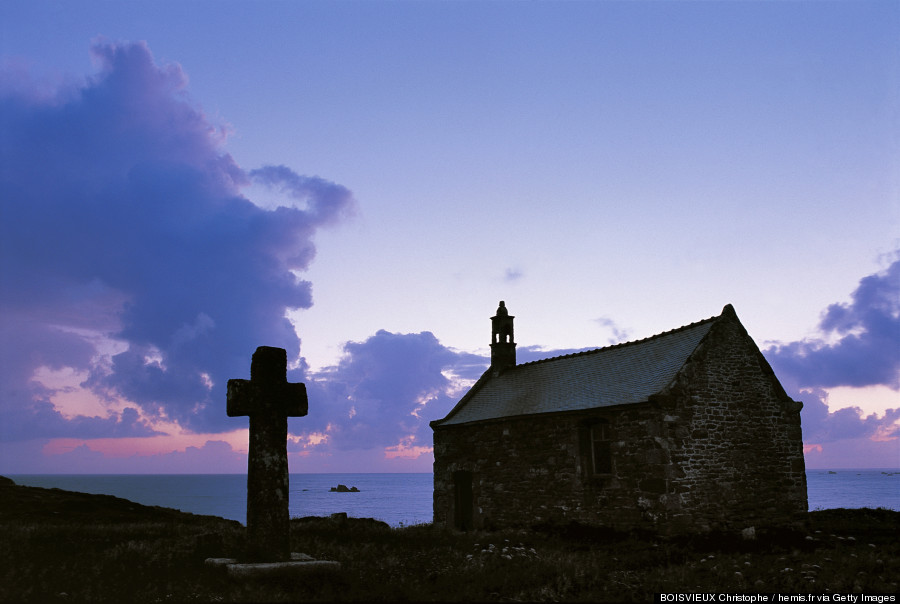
(326, 201)
(861, 340)
(853, 453)
(511, 275)
(618, 334)
(128, 251)
(820, 425)
(384, 391)
(31, 458)
(859, 347)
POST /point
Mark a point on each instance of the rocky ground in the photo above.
(62, 546)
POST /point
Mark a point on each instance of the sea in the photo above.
(397, 499)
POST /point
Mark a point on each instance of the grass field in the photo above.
(66, 547)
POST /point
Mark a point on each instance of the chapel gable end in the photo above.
(729, 361)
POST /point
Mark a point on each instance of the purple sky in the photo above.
(154, 229)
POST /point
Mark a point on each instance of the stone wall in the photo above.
(536, 469)
(736, 436)
(721, 449)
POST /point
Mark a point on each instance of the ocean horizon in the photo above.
(400, 499)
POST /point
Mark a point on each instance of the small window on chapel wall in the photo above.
(601, 448)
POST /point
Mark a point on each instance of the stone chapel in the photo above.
(685, 431)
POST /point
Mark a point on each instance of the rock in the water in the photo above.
(342, 488)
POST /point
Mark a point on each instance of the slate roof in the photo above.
(616, 375)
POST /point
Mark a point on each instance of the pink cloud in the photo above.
(214, 456)
(853, 453)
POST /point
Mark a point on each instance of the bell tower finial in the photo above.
(503, 344)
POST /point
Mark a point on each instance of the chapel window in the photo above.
(601, 448)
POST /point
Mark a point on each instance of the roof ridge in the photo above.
(620, 344)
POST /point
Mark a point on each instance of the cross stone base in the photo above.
(299, 565)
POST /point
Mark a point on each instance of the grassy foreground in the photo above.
(61, 546)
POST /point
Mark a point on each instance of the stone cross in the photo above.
(269, 400)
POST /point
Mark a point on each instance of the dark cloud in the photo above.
(820, 425)
(128, 251)
(860, 344)
(326, 201)
(386, 390)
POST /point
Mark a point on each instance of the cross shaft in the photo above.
(269, 400)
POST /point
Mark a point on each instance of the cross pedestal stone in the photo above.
(269, 400)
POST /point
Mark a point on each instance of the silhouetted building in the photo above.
(688, 430)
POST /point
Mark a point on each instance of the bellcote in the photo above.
(503, 345)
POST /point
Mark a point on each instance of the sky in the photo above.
(360, 183)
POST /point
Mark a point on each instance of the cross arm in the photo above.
(248, 398)
(296, 403)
